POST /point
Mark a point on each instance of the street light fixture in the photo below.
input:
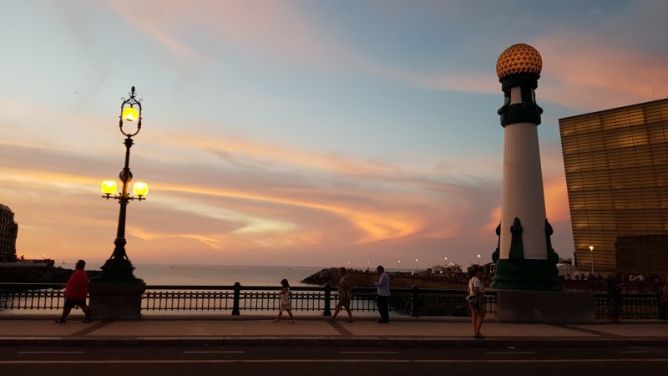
(118, 267)
(591, 253)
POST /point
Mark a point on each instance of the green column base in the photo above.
(526, 274)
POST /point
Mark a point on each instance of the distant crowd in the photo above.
(630, 282)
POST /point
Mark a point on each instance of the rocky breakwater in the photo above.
(360, 278)
(31, 273)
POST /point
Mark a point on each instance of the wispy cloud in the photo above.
(278, 28)
(583, 72)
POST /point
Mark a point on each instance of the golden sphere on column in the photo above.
(518, 58)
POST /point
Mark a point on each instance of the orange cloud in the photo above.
(228, 147)
(209, 241)
(375, 225)
(585, 72)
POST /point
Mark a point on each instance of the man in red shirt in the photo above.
(76, 291)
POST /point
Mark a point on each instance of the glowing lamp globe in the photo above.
(140, 189)
(109, 187)
(130, 114)
(519, 59)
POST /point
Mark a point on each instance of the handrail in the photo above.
(239, 298)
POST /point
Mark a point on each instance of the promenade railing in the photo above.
(237, 299)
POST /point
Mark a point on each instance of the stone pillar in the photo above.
(112, 300)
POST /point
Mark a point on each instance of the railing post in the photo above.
(235, 303)
(414, 308)
(328, 300)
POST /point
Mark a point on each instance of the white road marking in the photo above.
(509, 352)
(215, 352)
(368, 352)
(287, 361)
(51, 352)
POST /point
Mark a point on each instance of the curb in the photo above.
(404, 342)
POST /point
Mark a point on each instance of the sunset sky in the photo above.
(297, 132)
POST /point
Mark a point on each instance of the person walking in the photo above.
(614, 287)
(285, 301)
(383, 290)
(663, 307)
(345, 294)
(76, 291)
(476, 299)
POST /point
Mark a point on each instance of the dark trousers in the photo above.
(383, 308)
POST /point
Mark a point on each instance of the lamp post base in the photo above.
(117, 270)
(116, 300)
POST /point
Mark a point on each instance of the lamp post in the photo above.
(591, 254)
(117, 294)
(478, 256)
(118, 267)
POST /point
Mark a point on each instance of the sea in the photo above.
(223, 275)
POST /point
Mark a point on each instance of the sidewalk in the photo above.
(307, 331)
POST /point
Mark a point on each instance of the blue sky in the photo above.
(297, 132)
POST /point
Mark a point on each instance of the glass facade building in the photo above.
(616, 164)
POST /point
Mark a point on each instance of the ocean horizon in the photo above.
(189, 275)
(249, 275)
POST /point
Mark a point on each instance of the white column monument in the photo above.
(526, 277)
(525, 259)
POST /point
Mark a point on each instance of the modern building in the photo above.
(616, 164)
(8, 232)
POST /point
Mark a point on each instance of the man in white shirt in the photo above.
(383, 290)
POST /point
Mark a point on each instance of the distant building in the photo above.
(616, 164)
(8, 232)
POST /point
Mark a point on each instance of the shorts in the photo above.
(344, 302)
(344, 298)
(71, 303)
(477, 303)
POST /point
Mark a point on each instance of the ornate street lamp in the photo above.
(118, 267)
(591, 253)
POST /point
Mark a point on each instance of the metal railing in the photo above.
(22, 297)
(31, 296)
(632, 306)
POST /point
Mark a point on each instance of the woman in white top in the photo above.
(476, 299)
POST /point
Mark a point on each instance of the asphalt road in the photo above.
(323, 361)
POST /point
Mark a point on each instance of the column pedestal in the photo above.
(116, 300)
(554, 307)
